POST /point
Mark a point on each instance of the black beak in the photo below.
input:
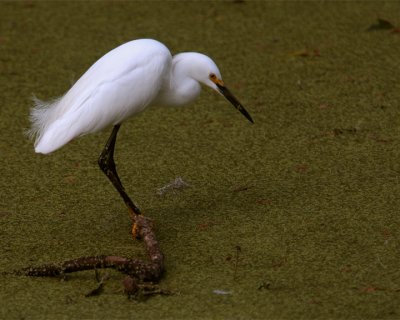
(232, 99)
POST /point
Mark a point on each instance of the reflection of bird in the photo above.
(122, 83)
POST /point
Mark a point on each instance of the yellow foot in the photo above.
(135, 228)
(135, 231)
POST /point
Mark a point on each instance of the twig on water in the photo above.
(143, 271)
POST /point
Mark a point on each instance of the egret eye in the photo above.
(213, 76)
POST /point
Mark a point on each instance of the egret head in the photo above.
(206, 72)
(200, 67)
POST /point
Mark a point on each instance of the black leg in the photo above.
(107, 165)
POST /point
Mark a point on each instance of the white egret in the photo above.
(123, 82)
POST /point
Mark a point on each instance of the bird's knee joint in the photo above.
(102, 163)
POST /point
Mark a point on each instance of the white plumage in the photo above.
(122, 83)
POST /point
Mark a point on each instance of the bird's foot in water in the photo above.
(135, 231)
(135, 228)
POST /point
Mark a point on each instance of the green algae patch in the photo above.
(293, 217)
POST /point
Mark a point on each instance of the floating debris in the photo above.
(173, 186)
(264, 286)
(222, 292)
(382, 24)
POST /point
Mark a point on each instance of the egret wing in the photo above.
(118, 85)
